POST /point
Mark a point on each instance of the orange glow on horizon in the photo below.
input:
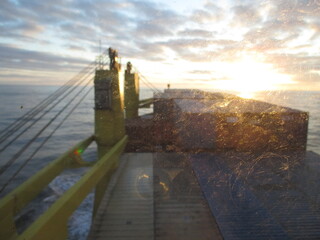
(249, 75)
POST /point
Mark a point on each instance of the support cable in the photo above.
(48, 98)
(18, 154)
(38, 119)
(8, 130)
(31, 116)
(17, 124)
(44, 142)
(148, 85)
(147, 82)
(143, 77)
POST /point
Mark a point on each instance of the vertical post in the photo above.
(7, 226)
(109, 117)
(131, 93)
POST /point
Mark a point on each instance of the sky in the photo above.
(235, 45)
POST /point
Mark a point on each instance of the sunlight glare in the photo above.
(246, 94)
(250, 75)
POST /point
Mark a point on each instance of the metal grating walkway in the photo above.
(181, 211)
(127, 212)
(155, 196)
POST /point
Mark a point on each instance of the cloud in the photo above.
(195, 33)
(15, 58)
(151, 30)
(210, 13)
(245, 15)
(47, 35)
(200, 72)
(304, 69)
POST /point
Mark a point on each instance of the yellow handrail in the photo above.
(145, 103)
(12, 203)
(53, 223)
(147, 100)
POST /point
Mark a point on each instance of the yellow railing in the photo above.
(145, 103)
(53, 223)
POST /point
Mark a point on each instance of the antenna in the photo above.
(100, 57)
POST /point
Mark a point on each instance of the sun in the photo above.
(246, 94)
(250, 75)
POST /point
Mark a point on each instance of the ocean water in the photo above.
(17, 100)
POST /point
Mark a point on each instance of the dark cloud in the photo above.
(297, 8)
(246, 15)
(15, 58)
(196, 33)
(151, 30)
(155, 22)
(302, 67)
(210, 13)
(149, 51)
(203, 16)
(191, 49)
(75, 47)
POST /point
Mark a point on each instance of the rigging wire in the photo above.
(146, 81)
(9, 134)
(17, 124)
(23, 119)
(18, 154)
(44, 142)
(38, 119)
(48, 98)
(57, 93)
(12, 128)
(149, 86)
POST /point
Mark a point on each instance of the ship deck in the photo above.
(212, 196)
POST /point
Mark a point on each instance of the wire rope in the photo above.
(34, 111)
(147, 82)
(18, 154)
(39, 118)
(44, 142)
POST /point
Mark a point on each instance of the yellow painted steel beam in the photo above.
(146, 103)
(109, 118)
(54, 220)
(11, 204)
(109, 121)
(145, 100)
(131, 94)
